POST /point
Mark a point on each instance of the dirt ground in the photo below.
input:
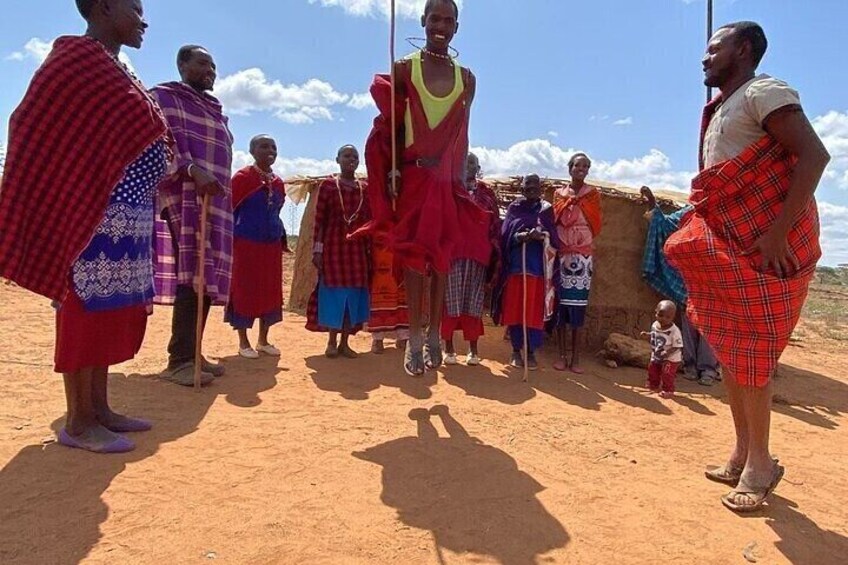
(307, 460)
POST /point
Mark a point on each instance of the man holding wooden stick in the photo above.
(198, 185)
(416, 157)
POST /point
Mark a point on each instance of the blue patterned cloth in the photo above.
(116, 270)
(656, 270)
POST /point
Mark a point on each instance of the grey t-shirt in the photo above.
(738, 122)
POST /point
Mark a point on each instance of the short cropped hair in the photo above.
(753, 33)
(431, 3)
(85, 7)
(186, 52)
(257, 138)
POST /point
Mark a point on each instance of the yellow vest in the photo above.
(435, 108)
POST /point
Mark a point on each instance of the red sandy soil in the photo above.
(308, 460)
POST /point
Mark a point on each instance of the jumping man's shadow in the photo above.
(470, 495)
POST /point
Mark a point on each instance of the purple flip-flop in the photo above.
(119, 445)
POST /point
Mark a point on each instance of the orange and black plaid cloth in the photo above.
(82, 121)
(745, 313)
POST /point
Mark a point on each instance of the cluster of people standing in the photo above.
(412, 251)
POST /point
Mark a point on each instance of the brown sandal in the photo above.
(726, 474)
(756, 497)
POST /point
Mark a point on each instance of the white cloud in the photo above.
(361, 101)
(288, 167)
(548, 159)
(833, 130)
(35, 49)
(411, 9)
(250, 91)
(834, 233)
(38, 49)
(553, 133)
(628, 121)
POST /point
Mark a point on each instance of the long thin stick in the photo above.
(201, 294)
(393, 98)
(524, 308)
(709, 36)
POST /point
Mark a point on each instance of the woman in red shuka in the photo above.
(259, 240)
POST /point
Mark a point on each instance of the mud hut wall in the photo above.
(305, 276)
(620, 301)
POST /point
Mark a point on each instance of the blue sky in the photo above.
(619, 79)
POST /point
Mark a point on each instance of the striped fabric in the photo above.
(466, 289)
(203, 138)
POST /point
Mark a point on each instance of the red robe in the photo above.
(256, 288)
(423, 229)
(746, 314)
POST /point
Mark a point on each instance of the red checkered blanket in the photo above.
(746, 314)
(82, 121)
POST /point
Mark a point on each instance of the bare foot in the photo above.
(347, 352)
(666, 394)
(332, 351)
(119, 423)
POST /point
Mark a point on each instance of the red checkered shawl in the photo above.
(746, 314)
(82, 121)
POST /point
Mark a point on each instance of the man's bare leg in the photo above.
(739, 455)
(759, 465)
(438, 284)
(414, 283)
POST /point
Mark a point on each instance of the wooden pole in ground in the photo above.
(709, 35)
(201, 294)
(392, 31)
(524, 308)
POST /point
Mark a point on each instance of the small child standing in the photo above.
(666, 350)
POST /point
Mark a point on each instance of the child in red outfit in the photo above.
(666, 350)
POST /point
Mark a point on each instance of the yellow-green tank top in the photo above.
(435, 108)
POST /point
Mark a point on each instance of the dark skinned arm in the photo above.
(791, 128)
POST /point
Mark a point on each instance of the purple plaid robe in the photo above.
(201, 137)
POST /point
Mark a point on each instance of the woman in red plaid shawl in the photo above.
(749, 248)
(90, 250)
(340, 302)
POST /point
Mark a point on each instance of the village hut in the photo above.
(620, 302)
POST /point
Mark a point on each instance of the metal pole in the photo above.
(709, 35)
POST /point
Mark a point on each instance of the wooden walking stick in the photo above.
(201, 295)
(524, 307)
(393, 119)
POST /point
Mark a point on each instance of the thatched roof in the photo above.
(509, 188)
